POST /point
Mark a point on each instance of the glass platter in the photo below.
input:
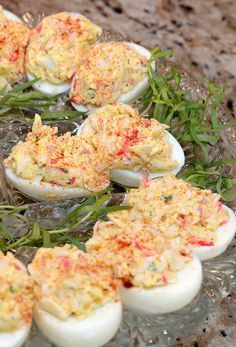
(136, 330)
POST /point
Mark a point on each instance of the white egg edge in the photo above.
(43, 190)
(14, 338)
(130, 178)
(133, 94)
(11, 16)
(168, 298)
(48, 88)
(93, 331)
(224, 236)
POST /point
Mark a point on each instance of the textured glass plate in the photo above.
(136, 330)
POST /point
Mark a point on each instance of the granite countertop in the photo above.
(202, 34)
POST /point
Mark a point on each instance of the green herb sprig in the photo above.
(21, 101)
(87, 213)
(20, 97)
(193, 122)
(210, 177)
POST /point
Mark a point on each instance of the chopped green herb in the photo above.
(91, 93)
(152, 267)
(12, 289)
(167, 198)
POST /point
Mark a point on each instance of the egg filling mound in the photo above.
(178, 209)
(116, 136)
(134, 253)
(14, 37)
(64, 161)
(129, 140)
(110, 70)
(57, 45)
(69, 282)
(16, 294)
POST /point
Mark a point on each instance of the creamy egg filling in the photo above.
(114, 137)
(110, 70)
(59, 160)
(16, 294)
(178, 209)
(58, 44)
(136, 255)
(14, 37)
(131, 141)
(68, 282)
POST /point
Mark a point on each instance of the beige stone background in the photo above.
(202, 34)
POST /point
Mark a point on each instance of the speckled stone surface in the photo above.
(202, 34)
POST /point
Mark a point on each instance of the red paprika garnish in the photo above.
(14, 56)
(197, 242)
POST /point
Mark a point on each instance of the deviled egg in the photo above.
(197, 216)
(112, 72)
(50, 167)
(115, 143)
(77, 303)
(57, 46)
(156, 275)
(14, 36)
(16, 302)
(136, 146)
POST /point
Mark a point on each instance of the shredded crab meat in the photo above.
(142, 258)
(178, 209)
(58, 45)
(114, 137)
(131, 141)
(14, 38)
(110, 69)
(69, 282)
(61, 160)
(16, 294)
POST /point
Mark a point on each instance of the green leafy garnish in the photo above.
(192, 121)
(210, 176)
(20, 99)
(86, 214)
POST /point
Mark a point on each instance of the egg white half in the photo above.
(93, 331)
(14, 338)
(46, 87)
(43, 190)
(132, 95)
(224, 235)
(130, 178)
(11, 16)
(168, 298)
